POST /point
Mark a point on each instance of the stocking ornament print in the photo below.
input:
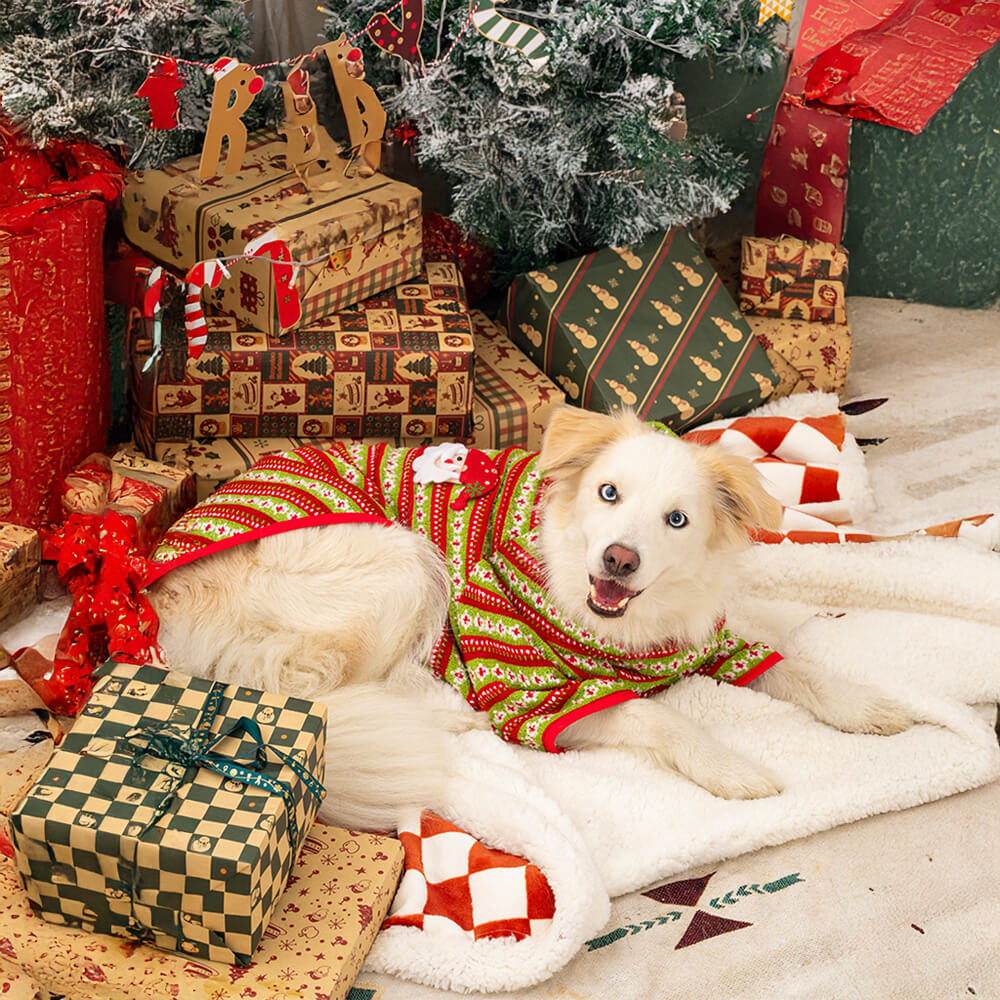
(403, 41)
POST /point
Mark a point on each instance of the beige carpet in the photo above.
(904, 905)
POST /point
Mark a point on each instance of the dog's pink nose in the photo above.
(620, 561)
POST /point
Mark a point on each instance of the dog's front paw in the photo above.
(749, 781)
(864, 709)
(724, 773)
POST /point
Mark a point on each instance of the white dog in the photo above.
(635, 548)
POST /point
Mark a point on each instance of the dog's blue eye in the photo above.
(677, 519)
(607, 493)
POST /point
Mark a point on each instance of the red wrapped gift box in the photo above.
(54, 374)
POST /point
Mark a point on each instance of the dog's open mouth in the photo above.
(608, 598)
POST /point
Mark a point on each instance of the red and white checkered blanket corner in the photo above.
(814, 468)
(454, 884)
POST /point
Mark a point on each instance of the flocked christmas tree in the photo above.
(555, 161)
(70, 69)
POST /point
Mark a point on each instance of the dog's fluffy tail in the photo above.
(385, 753)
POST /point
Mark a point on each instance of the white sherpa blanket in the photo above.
(600, 824)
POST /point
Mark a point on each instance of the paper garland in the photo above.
(529, 41)
(160, 89)
(403, 41)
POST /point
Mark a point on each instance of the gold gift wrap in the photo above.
(20, 565)
(353, 237)
(320, 932)
(789, 278)
(514, 398)
(808, 357)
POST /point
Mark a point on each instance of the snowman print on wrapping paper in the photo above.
(266, 716)
(200, 844)
(471, 468)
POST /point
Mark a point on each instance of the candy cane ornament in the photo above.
(152, 307)
(205, 274)
(529, 41)
(286, 293)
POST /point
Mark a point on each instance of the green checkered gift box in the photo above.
(173, 811)
(648, 326)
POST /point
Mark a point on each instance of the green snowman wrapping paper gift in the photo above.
(648, 326)
(173, 811)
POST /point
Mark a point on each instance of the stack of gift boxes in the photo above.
(361, 338)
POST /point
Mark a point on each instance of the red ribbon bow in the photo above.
(98, 559)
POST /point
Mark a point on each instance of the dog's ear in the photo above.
(741, 501)
(574, 437)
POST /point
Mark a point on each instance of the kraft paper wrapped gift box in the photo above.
(154, 495)
(648, 326)
(808, 357)
(320, 932)
(514, 398)
(20, 566)
(352, 241)
(157, 820)
(793, 279)
(397, 364)
(216, 461)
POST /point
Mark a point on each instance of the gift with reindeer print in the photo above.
(648, 326)
(173, 811)
(344, 237)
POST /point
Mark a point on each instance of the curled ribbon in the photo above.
(97, 557)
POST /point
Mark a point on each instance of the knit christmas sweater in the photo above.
(505, 647)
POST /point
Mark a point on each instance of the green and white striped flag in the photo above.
(529, 41)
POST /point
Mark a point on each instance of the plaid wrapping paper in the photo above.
(789, 278)
(320, 932)
(20, 567)
(648, 326)
(514, 398)
(397, 364)
(114, 838)
(362, 236)
(808, 357)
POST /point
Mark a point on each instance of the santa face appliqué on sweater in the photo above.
(505, 647)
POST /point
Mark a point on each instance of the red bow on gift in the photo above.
(98, 560)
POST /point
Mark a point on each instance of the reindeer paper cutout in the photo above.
(364, 113)
(236, 85)
(309, 144)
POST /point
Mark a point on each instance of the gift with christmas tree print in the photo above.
(648, 326)
(793, 293)
(173, 811)
(789, 278)
(398, 364)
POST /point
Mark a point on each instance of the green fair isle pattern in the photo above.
(506, 648)
(648, 326)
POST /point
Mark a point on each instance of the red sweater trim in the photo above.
(555, 727)
(156, 570)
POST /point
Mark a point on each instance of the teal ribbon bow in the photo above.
(198, 750)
